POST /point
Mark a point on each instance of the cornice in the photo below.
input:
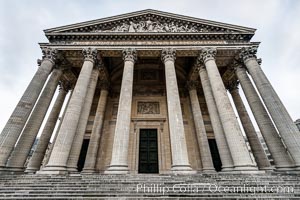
(115, 36)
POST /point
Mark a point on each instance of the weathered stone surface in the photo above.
(239, 151)
(119, 161)
(83, 120)
(281, 158)
(59, 156)
(18, 118)
(19, 155)
(39, 153)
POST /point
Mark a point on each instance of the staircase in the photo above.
(199, 186)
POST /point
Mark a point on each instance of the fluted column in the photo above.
(259, 153)
(91, 156)
(39, 153)
(281, 158)
(83, 120)
(18, 118)
(119, 159)
(225, 155)
(58, 159)
(57, 130)
(180, 161)
(283, 121)
(206, 159)
(237, 145)
(20, 153)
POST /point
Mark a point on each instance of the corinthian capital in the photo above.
(207, 54)
(247, 53)
(168, 54)
(90, 54)
(232, 85)
(49, 54)
(129, 54)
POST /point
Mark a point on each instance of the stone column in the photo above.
(83, 120)
(58, 159)
(57, 130)
(18, 118)
(283, 121)
(225, 155)
(20, 153)
(39, 153)
(91, 156)
(281, 158)
(119, 160)
(180, 162)
(237, 145)
(259, 153)
(206, 159)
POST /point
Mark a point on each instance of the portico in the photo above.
(149, 95)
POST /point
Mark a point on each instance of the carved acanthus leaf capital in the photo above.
(248, 53)
(207, 54)
(259, 61)
(129, 54)
(65, 85)
(90, 54)
(168, 54)
(232, 85)
(192, 85)
(237, 64)
(49, 54)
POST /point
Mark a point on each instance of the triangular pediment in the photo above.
(150, 21)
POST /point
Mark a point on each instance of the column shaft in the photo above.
(180, 161)
(119, 160)
(18, 118)
(283, 121)
(281, 158)
(226, 159)
(91, 156)
(206, 158)
(239, 151)
(58, 159)
(83, 120)
(20, 153)
(39, 153)
(57, 131)
(259, 153)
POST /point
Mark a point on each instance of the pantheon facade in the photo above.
(149, 92)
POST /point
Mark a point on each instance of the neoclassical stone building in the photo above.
(149, 93)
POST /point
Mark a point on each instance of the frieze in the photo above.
(148, 108)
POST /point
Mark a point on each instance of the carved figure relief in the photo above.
(153, 26)
(148, 108)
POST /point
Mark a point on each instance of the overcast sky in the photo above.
(22, 24)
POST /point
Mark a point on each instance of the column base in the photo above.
(88, 171)
(182, 169)
(72, 170)
(246, 169)
(117, 169)
(227, 169)
(16, 170)
(268, 169)
(284, 168)
(208, 170)
(53, 170)
(31, 170)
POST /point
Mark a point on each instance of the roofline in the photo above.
(148, 11)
